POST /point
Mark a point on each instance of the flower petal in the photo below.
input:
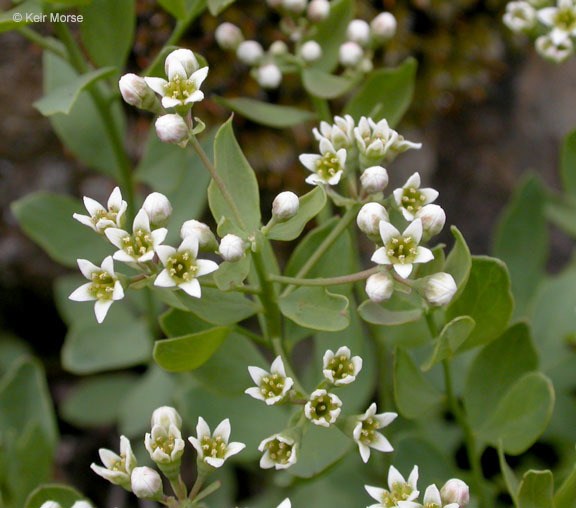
(414, 230)
(158, 236)
(87, 268)
(202, 429)
(101, 308)
(118, 293)
(165, 252)
(254, 392)
(205, 267)
(256, 373)
(385, 419)
(423, 255)
(404, 270)
(164, 280)
(234, 448)
(380, 256)
(191, 287)
(141, 221)
(413, 181)
(375, 493)
(381, 444)
(308, 160)
(394, 476)
(190, 244)
(387, 231)
(84, 219)
(115, 236)
(93, 206)
(223, 430)
(157, 84)
(277, 367)
(82, 294)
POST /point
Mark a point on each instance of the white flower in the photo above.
(285, 206)
(271, 387)
(269, 76)
(104, 287)
(399, 489)
(455, 491)
(136, 92)
(101, 218)
(554, 47)
(146, 483)
(206, 239)
(358, 31)
(350, 54)
(326, 168)
(51, 504)
(318, 10)
(369, 218)
(383, 26)
(166, 416)
(310, 51)
(323, 408)
(81, 504)
(117, 468)
(278, 48)
(214, 448)
(249, 52)
(285, 504)
(182, 268)
(138, 247)
(158, 208)
(561, 18)
(379, 287)
(433, 219)
(410, 198)
(279, 452)
(182, 89)
(172, 129)
(402, 250)
(340, 134)
(164, 444)
(232, 248)
(519, 16)
(341, 368)
(432, 499)
(228, 36)
(365, 432)
(374, 179)
(296, 6)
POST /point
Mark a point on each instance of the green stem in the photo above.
(322, 108)
(213, 487)
(200, 479)
(47, 43)
(268, 298)
(179, 487)
(250, 290)
(329, 281)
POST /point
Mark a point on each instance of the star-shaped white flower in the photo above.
(214, 448)
(399, 491)
(164, 443)
(117, 468)
(323, 408)
(104, 287)
(184, 80)
(101, 218)
(340, 134)
(366, 433)
(562, 18)
(279, 452)
(555, 46)
(410, 198)
(326, 168)
(519, 16)
(271, 387)
(341, 368)
(181, 268)
(140, 246)
(402, 251)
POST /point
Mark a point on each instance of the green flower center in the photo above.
(213, 447)
(138, 244)
(272, 385)
(322, 406)
(119, 465)
(165, 443)
(341, 367)
(565, 19)
(328, 166)
(432, 505)
(179, 89)
(399, 492)
(413, 199)
(368, 432)
(182, 266)
(402, 249)
(111, 215)
(280, 452)
(102, 287)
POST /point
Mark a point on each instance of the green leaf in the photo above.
(522, 240)
(240, 180)
(188, 352)
(96, 401)
(509, 475)
(217, 6)
(310, 205)
(62, 494)
(459, 261)
(385, 93)
(486, 299)
(324, 85)
(566, 494)
(316, 308)
(175, 7)
(63, 98)
(537, 490)
(561, 212)
(451, 338)
(108, 31)
(232, 275)
(68, 3)
(11, 349)
(271, 115)
(47, 220)
(568, 165)
(376, 314)
(414, 395)
(28, 10)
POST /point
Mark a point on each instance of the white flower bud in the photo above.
(358, 31)
(379, 287)
(172, 129)
(310, 51)
(228, 36)
(455, 491)
(295, 6)
(146, 483)
(269, 76)
(439, 289)
(350, 54)
(285, 206)
(278, 48)
(136, 92)
(249, 52)
(82, 504)
(318, 10)
(232, 248)
(520, 16)
(369, 218)
(166, 416)
(366, 65)
(206, 239)
(181, 62)
(158, 208)
(374, 179)
(50, 504)
(433, 219)
(384, 26)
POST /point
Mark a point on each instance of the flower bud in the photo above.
(278, 48)
(455, 491)
(228, 36)
(285, 206)
(350, 54)
(366, 65)
(180, 62)
(158, 208)
(146, 483)
(383, 26)
(369, 218)
(379, 287)
(136, 92)
(439, 289)
(82, 504)
(374, 179)
(310, 51)
(50, 504)
(166, 416)
(206, 239)
(249, 52)
(295, 6)
(232, 248)
(318, 10)
(172, 129)
(358, 31)
(269, 76)
(433, 219)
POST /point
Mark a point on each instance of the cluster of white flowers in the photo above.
(403, 493)
(165, 445)
(551, 22)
